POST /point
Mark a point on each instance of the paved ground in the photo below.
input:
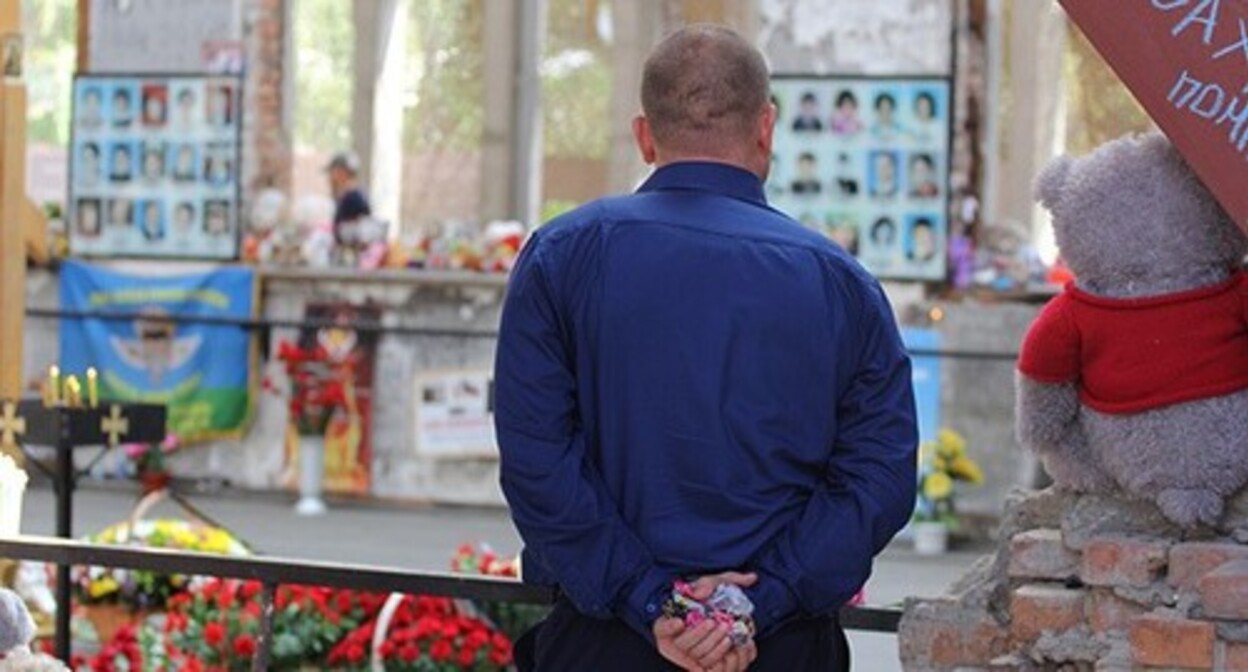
(425, 538)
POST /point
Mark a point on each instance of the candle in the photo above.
(54, 383)
(73, 391)
(93, 387)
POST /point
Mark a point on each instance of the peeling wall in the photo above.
(857, 36)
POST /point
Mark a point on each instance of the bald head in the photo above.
(704, 91)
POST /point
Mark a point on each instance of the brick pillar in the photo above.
(267, 157)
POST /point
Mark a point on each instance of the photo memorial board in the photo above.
(866, 161)
(154, 166)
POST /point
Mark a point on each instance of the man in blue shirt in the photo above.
(691, 384)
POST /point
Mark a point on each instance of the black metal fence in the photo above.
(267, 324)
(274, 572)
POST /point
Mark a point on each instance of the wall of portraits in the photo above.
(155, 166)
(866, 161)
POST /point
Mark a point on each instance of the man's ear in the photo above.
(767, 129)
(644, 136)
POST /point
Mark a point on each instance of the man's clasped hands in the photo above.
(707, 645)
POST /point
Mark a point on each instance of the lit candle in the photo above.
(93, 387)
(73, 392)
(54, 383)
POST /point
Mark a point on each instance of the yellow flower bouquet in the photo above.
(942, 463)
(138, 589)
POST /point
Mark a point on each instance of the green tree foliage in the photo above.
(576, 81)
(1100, 108)
(50, 28)
(324, 33)
(443, 109)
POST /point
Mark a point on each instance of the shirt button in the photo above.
(651, 608)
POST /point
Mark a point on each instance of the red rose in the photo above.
(441, 650)
(467, 657)
(193, 664)
(250, 589)
(214, 634)
(425, 626)
(343, 601)
(245, 645)
(501, 655)
(175, 622)
(476, 638)
(225, 598)
(409, 653)
(355, 653)
(450, 629)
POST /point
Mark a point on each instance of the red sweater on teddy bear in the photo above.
(1132, 355)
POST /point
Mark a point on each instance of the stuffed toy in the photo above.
(1135, 378)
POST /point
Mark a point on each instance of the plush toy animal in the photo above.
(1136, 376)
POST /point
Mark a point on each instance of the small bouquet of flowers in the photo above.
(318, 385)
(728, 606)
(149, 461)
(941, 464)
(141, 589)
(512, 619)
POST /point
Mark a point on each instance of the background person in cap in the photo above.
(351, 205)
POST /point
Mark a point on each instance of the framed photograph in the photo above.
(865, 160)
(155, 167)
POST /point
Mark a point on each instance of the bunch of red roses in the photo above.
(426, 634)
(120, 655)
(317, 385)
(216, 626)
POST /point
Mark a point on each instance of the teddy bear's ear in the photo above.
(1052, 181)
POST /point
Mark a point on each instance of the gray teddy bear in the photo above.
(1136, 377)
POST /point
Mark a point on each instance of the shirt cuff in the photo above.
(642, 602)
(774, 603)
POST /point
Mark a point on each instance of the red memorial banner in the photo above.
(1186, 61)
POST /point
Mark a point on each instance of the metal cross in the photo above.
(11, 426)
(115, 425)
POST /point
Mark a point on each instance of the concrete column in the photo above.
(1036, 38)
(638, 27)
(527, 158)
(377, 103)
(500, 85)
(511, 152)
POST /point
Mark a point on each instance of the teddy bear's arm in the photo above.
(1048, 424)
(1044, 413)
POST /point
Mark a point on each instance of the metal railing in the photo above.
(262, 324)
(274, 572)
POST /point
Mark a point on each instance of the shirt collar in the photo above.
(719, 178)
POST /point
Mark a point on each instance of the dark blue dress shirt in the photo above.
(689, 381)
